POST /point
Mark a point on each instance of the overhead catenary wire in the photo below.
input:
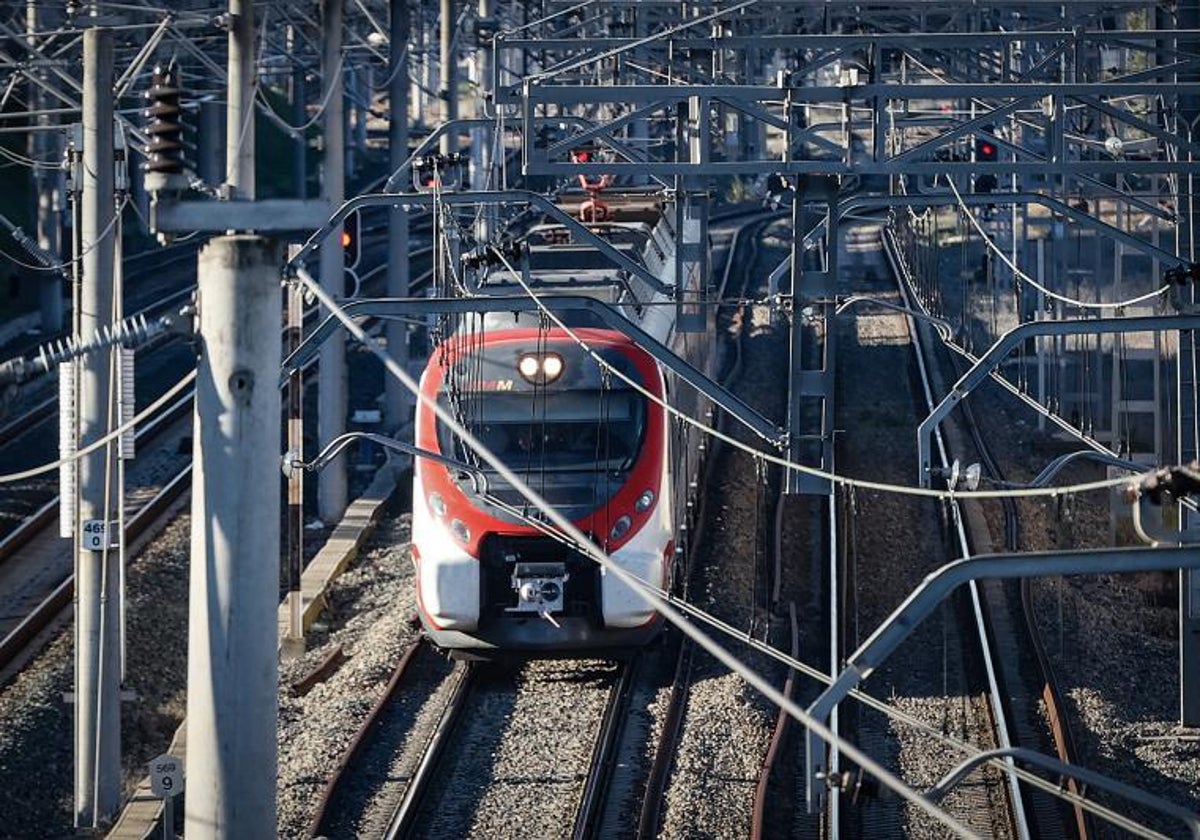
(1025, 278)
(778, 460)
(170, 394)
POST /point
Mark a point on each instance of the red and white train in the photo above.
(491, 576)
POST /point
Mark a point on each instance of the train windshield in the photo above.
(551, 431)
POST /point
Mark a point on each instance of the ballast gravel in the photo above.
(371, 608)
(36, 723)
(521, 752)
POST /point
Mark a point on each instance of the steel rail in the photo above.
(333, 788)
(604, 756)
(995, 694)
(650, 816)
(758, 825)
(404, 820)
(1055, 708)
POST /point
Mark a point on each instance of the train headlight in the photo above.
(529, 366)
(552, 366)
(644, 501)
(621, 527)
(460, 531)
(437, 505)
(540, 369)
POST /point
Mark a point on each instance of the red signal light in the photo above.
(987, 150)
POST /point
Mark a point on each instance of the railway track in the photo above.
(764, 584)
(37, 565)
(1008, 632)
(1008, 610)
(415, 762)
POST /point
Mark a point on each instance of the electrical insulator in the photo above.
(165, 154)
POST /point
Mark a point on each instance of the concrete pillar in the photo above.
(210, 141)
(239, 128)
(97, 572)
(232, 631)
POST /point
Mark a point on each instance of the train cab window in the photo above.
(563, 431)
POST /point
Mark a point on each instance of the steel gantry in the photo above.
(860, 105)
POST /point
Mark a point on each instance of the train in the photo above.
(492, 578)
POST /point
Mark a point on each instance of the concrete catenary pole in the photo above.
(396, 399)
(449, 73)
(232, 675)
(44, 147)
(239, 126)
(97, 639)
(331, 375)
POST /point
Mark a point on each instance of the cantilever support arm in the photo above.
(608, 315)
(1082, 774)
(940, 199)
(579, 230)
(991, 360)
(937, 587)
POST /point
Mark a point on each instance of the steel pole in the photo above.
(239, 127)
(232, 676)
(1187, 410)
(449, 73)
(97, 650)
(331, 375)
(396, 398)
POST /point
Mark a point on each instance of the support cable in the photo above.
(791, 465)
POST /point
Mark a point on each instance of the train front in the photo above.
(491, 575)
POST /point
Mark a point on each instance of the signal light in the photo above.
(351, 242)
(985, 150)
